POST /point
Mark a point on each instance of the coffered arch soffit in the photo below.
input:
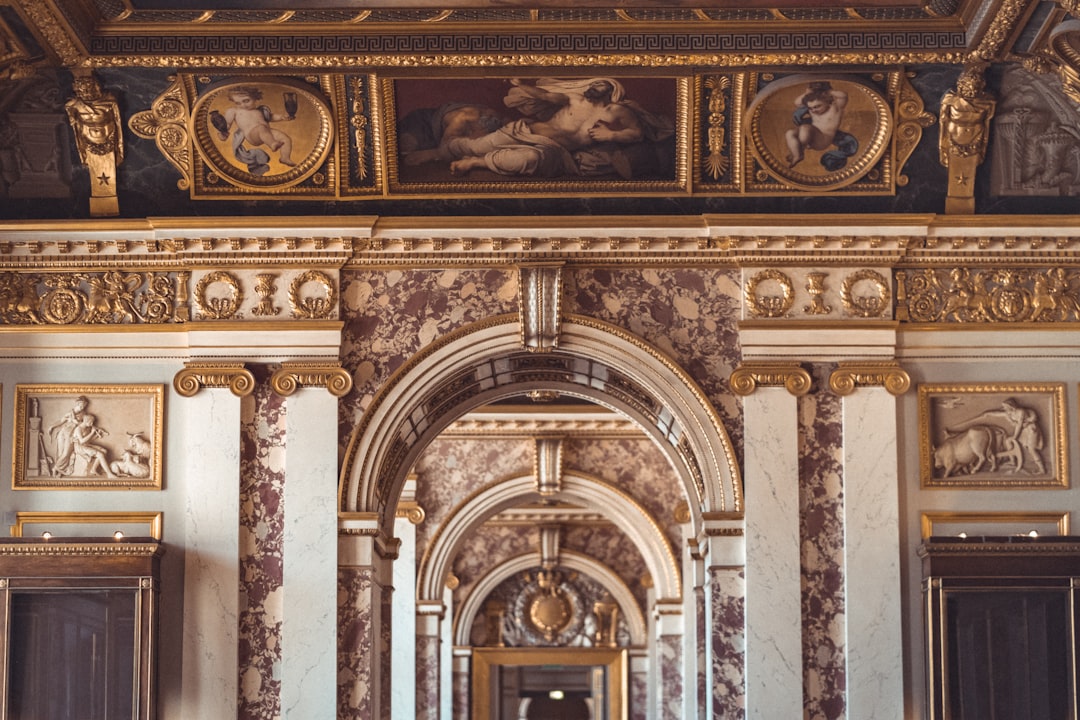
(484, 362)
(571, 561)
(577, 488)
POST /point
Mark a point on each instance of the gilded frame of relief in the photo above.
(147, 524)
(993, 436)
(498, 136)
(104, 437)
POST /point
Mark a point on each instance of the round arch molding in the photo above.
(486, 361)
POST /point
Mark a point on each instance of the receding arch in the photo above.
(636, 523)
(485, 361)
(571, 560)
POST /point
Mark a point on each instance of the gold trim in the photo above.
(866, 306)
(153, 520)
(293, 375)
(886, 373)
(769, 306)
(197, 375)
(1060, 519)
(753, 374)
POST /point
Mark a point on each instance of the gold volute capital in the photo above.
(886, 373)
(197, 375)
(293, 375)
(751, 375)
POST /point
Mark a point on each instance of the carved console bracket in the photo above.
(849, 375)
(539, 288)
(548, 465)
(197, 375)
(751, 375)
(293, 375)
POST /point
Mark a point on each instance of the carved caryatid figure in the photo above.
(965, 127)
(95, 118)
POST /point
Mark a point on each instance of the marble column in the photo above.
(364, 622)
(871, 538)
(670, 626)
(774, 659)
(213, 392)
(428, 644)
(639, 684)
(461, 682)
(309, 601)
(404, 692)
(724, 546)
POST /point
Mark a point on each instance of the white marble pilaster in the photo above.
(403, 684)
(309, 602)
(774, 662)
(211, 555)
(872, 557)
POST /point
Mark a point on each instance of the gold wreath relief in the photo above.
(312, 307)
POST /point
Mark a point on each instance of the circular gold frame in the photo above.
(311, 132)
(769, 115)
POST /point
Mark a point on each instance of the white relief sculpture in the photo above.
(133, 462)
(981, 443)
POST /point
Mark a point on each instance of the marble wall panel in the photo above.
(636, 467)
(392, 314)
(427, 676)
(488, 547)
(262, 477)
(669, 652)
(639, 695)
(822, 536)
(452, 468)
(610, 546)
(689, 313)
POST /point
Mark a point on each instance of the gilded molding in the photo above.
(886, 373)
(988, 295)
(866, 306)
(294, 375)
(43, 15)
(197, 375)
(787, 374)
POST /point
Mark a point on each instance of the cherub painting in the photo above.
(818, 133)
(262, 132)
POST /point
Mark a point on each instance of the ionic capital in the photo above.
(197, 375)
(293, 375)
(887, 373)
(753, 374)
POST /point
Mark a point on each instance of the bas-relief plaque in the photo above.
(995, 436)
(88, 436)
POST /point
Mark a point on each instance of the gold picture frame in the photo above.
(88, 437)
(993, 436)
(994, 523)
(496, 136)
(139, 524)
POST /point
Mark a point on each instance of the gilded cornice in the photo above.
(851, 375)
(751, 375)
(198, 375)
(294, 375)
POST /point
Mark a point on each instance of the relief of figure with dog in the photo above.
(982, 444)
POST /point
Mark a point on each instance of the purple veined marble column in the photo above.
(669, 653)
(428, 647)
(727, 620)
(639, 684)
(364, 623)
(461, 684)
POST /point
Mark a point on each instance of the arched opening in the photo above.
(538, 453)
